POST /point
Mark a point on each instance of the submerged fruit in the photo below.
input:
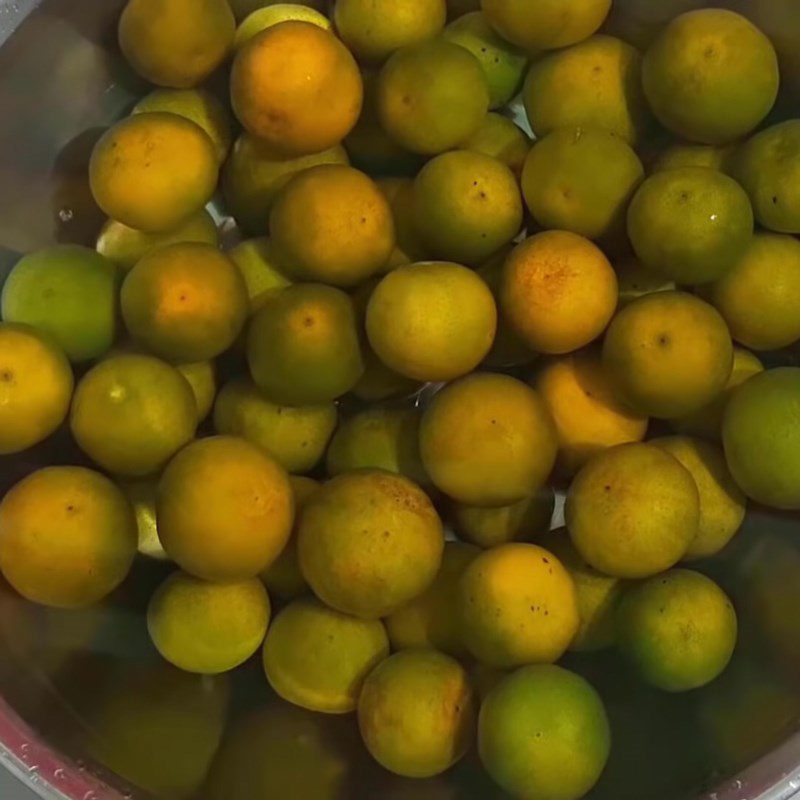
(543, 733)
(546, 25)
(707, 421)
(296, 436)
(467, 205)
(581, 180)
(668, 354)
(68, 292)
(487, 440)
(296, 87)
(208, 628)
(125, 246)
(633, 511)
(521, 521)
(283, 577)
(263, 268)
(35, 387)
(67, 537)
(722, 504)
(595, 83)
(598, 595)
(197, 105)
(431, 96)
(416, 713)
(369, 541)
(284, 749)
(768, 165)
(711, 76)
(433, 618)
(519, 606)
(303, 346)
(142, 709)
(379, 438)
(255, 173)
(185, 302)
(341, 243)
(503, 64)
(584, 406)
(175, 43)
(691, 224)
(153, 171)
(558, 291)
(679, 630)
(373, 31)
(132, 413)
(432, 321)
(225, 509)
(318, 658)
(274, 14)
(762, 438)
(760, 295)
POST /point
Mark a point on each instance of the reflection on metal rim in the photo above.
(22, 752)
(56, 778)
(12, 12)
(776, 776)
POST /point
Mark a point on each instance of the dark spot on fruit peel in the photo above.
(774, 200)
(70, 507)
(545, 561)
(308, 322)
(607, 488)
(663, 340)
(6, 376)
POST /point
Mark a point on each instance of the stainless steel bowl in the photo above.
(61, 82)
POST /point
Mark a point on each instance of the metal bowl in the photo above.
(61, 82)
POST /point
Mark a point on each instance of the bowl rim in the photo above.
(54, 776)
(41, 768)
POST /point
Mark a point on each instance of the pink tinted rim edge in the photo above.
(24, 754)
